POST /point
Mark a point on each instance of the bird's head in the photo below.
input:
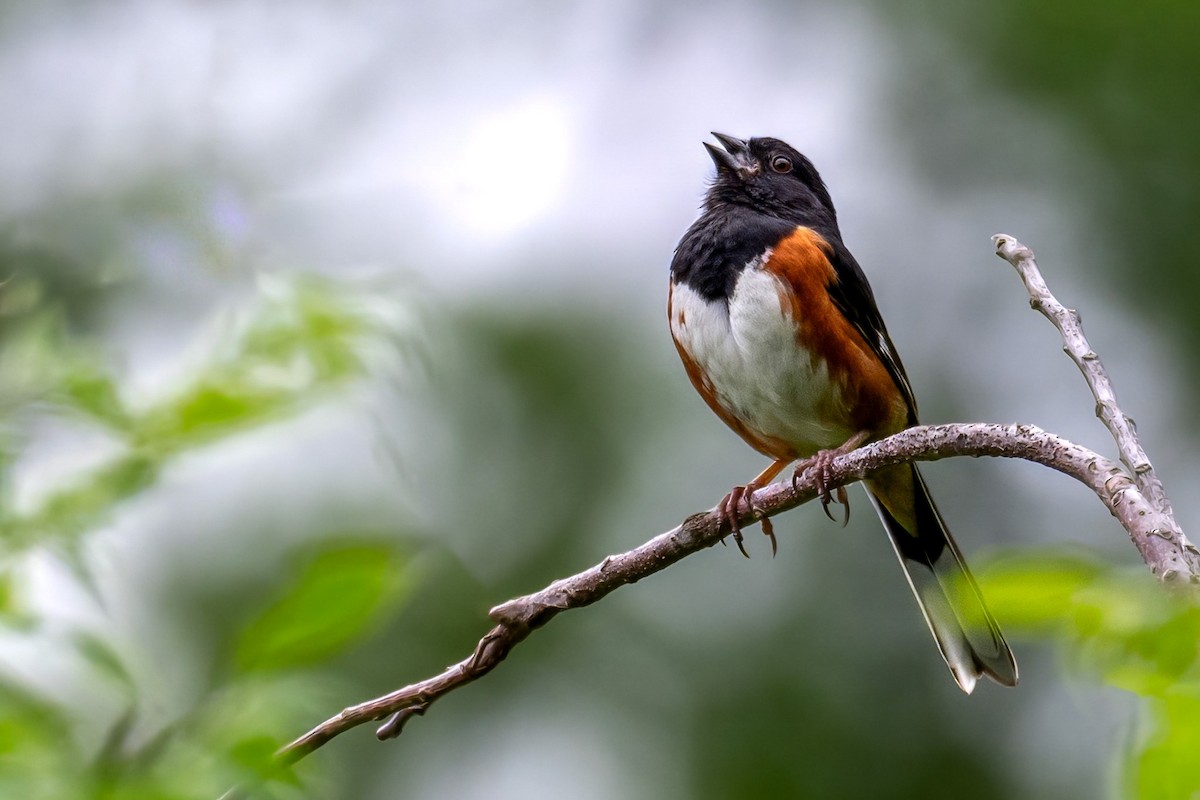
(769, 176)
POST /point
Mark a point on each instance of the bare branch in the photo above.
(517, 618)
(1123, 430)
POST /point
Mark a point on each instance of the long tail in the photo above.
(966, 633)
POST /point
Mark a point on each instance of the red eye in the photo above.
(781, 164)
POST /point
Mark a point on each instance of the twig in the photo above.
(1162, 561)
(1134, 496)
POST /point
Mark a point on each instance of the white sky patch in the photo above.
(508, 171)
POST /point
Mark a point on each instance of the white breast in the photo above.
(757, 369)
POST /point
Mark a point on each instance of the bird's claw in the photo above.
(841, 498)
(728, 511)
(769, 531)
(822, 469)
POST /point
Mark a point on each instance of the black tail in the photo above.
(966, 633)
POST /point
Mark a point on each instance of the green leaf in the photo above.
(1035, 591)
(213, 407)
(93, 393)
(333, 600)
(37, 754)
(69, 511)
(1164, 766)
(8, 601)
(104, 658)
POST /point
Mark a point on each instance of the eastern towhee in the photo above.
(779, 332)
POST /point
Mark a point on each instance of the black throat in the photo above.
(718, 246)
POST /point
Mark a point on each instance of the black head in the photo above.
(771, 177)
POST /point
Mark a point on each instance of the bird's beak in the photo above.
(734, 158)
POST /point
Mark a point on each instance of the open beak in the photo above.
(734, 158)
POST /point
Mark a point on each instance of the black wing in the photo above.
(853, 296)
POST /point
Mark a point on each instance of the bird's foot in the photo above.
(822, 469)
(729, 512)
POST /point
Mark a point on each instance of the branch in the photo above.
(1131, 493)
(517, 618)
(1120, 426)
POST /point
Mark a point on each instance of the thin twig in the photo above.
(1120, 426)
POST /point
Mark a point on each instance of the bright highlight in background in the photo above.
(509, 170)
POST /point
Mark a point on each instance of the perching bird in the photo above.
(779, 332)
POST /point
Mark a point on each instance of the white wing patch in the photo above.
(893, 361)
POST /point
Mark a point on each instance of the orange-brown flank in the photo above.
(869, 393)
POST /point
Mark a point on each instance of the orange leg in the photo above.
(728, 508)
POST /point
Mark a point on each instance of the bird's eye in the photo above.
(781, 164)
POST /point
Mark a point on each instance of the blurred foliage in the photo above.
(299, 344)
(1127, 631)
(304, 627)
(304, 342)
(1118, 80)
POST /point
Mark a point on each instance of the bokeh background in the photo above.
(327, 326)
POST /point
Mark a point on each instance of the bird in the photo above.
(779, 332)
